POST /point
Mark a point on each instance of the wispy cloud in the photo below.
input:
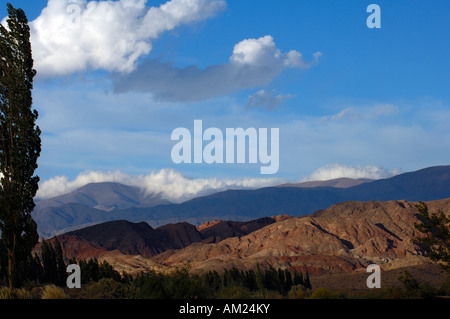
(354, 113)
(266, 100)
(254, 62)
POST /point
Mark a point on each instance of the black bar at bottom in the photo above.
(229, 308)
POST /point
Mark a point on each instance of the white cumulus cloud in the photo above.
(76, 35)
(171, 184)
(333, 171)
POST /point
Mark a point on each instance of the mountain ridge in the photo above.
(344, 237)
(243, 205)
(342, 182)
(141, 239)
(106, 196)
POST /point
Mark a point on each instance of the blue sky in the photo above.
(348, 100)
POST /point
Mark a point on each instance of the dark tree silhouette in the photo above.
(435, 239)
(20, 145)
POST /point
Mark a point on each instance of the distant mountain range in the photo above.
(337, 182)
(106, 197)
(98, 203)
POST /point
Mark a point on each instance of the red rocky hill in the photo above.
(343, 238)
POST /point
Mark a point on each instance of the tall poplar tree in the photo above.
(20, 145)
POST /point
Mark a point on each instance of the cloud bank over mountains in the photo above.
(175, 187)
(334, 171)
(171, 184)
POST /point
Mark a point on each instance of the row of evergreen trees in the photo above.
(43, 268)
(48, 267)
(280, 280)
(182, 285)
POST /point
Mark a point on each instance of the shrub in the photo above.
(268, 294)
(107, 288)
(323, 293)
(176, 285)
(54, 292)
(6, 293)
(444, 290)
(298, 292)
(234, 292)
(22, 293)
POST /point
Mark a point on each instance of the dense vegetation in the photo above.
(232, 283)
